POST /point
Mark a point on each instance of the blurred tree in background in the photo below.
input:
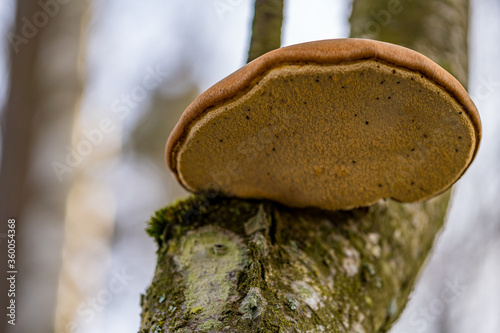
(44, 89)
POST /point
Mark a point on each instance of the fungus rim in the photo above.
(323, 52)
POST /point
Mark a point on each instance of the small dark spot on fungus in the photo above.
(343, 87)
(353, 162)
(425, 136)
(329, 76)
(274, 149)
(421, 76)
(389, 97)
(317, 80)
(220, 140)
(377, 98)
(379, 185)
(459, 137)
(413, 120)
(413, 149)
(393, 71)
(305, 103)
(398, 82)
(382, 82)
(456, 150)
(460, 112)
(411, 78)
(378, 66)
(366, 122)
(412, 183)
(355, 115)
(248, 117)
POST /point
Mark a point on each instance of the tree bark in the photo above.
(231, 265)
(266, 27)
(438, 29)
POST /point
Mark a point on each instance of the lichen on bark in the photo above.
(298, 270)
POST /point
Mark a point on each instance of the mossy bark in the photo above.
(230, 265)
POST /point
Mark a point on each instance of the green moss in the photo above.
(209, 325)
(294, 270)
(196, 310)
(187, 214)
(184, 212)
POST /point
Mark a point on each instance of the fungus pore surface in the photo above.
(333, 136)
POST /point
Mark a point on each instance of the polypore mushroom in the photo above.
(333, 124)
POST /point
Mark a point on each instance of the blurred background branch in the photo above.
(40, 105)
(266, 27)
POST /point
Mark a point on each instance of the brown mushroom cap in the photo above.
(333, 124)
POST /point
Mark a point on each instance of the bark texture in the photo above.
(266, 27)
(230, 265)
(436, 28)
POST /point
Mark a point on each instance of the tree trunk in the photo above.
(436, 28)
(44, 87)
(231, 265)
(266, 27)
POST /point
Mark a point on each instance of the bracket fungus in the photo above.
(333, 124)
